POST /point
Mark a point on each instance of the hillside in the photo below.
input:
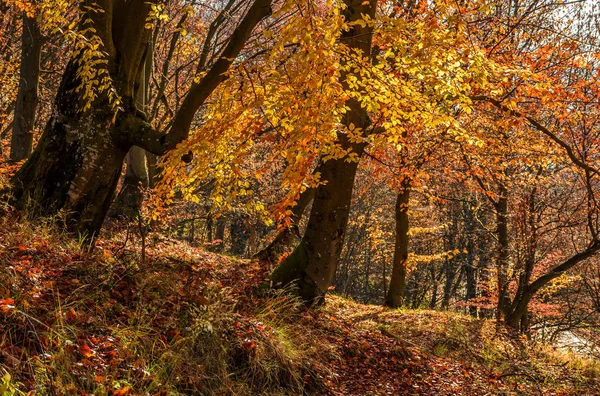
(187, 321)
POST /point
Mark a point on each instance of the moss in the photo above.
(291, 273)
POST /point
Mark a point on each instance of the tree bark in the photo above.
(451, 264)
(78, 161)
(219, 235)
(395, 295)
(501, 207)
(239, 233)
(470, 270)
(137, 177)
(21, 144)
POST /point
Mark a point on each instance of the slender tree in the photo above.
(21, 144)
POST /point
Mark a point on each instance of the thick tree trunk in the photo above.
(395, 295)
(137, 176)
(312, 265)
(77, 164)
(21, 143)
(74, 170)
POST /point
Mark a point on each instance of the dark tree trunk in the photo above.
(21, 143)
(395, 295)
(74, 170)
(501, 207)
(240, 234)
(312, 265)
(470, 270)
(78, 161)
(434, 287)
(136, 179)
(219, 239)
(451, 264)
(209, 223)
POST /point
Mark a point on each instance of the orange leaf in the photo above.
(122, 392)
(86, 351)
(6, 305)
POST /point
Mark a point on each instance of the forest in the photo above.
(299, 197)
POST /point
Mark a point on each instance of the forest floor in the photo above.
(182, 321)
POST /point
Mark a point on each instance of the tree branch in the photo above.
(141, 134)
(537, 125)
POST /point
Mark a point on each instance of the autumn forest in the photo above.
(299, 197)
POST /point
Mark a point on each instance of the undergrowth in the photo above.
(98, 320)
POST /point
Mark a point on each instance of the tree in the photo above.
(27, 97)
(77, 163)
(313, 263)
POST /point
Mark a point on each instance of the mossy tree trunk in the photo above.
(78, 161)
(137, 176)
(311, 266)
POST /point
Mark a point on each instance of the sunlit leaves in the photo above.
(293, 96)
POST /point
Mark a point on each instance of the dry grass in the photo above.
(191, 322)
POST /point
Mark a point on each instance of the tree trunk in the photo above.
(78, 161)
(312, 265)
(434, 291)
(218, 243)
(502, 258)
(21, 143)
(74, 170)
(137, 176)
(136, 179)
(470, 270)
(395, 295)
(239, 233)
(451, 264)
